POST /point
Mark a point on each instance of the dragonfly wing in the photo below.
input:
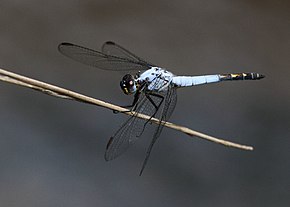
(130, 131)
(170, 99)
(113, 49)
(101, 60)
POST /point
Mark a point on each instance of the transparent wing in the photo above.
(131, 130)
(170, 99)
(104, 60)
(113, 49)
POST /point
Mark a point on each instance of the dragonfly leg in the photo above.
(136, 98)
(155, 106)
(133, 105)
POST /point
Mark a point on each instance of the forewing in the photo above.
(170, 99)
(130, 131)
(101, 60)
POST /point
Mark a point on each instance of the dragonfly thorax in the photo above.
(156, 78)
(128, 84)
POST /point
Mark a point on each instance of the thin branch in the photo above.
(68, 94)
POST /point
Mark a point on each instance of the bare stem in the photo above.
(68, 94)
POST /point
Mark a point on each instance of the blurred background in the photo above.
(52, 150)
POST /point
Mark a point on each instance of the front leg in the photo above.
(133, 105)
(136, 98)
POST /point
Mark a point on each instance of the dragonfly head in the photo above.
(128, 84)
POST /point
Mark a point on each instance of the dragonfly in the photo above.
(153, 87)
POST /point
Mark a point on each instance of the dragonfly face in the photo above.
(128, 84)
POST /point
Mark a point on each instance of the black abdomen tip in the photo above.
(255, 76)
(260, 76)
(241, 76)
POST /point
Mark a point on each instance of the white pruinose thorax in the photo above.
(158, 79)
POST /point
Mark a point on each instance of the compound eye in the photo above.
(128, 84)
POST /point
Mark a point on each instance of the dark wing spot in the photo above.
(109, 143)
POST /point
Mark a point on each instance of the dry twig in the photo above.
(67, 94)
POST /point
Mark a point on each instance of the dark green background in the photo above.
(51, 150)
